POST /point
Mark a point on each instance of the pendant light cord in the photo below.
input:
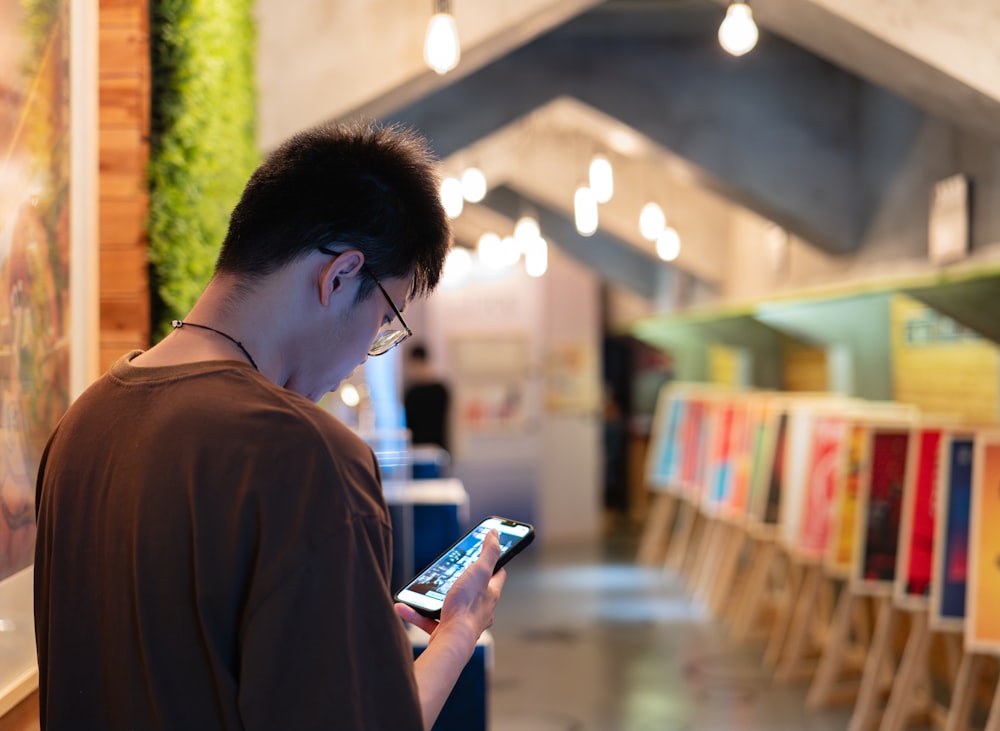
(178, 324)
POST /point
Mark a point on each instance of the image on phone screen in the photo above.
(427, 591)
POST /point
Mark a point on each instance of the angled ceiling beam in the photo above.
(333, 60)
(758, 128)
(940, 54)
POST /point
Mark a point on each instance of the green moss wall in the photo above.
(203, 142)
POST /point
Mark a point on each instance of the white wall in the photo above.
(544, 467)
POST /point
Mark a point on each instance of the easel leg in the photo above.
(680, 539)
(832, 658)
(913, 663)
(723, 585)
(993, 722)
(779, 630)
(656, 532)
(796, 643)
(704, 555)
(960, 708)
(865, 710)
(754, 590)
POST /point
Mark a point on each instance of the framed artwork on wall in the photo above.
(48, 124)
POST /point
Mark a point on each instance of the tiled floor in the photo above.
(586, 640)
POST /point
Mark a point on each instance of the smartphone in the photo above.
(427, 591)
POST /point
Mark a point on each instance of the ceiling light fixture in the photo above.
(651, 221)
(457, 266)
(536, 257)
(473, 184)
(451, 197)
(442, 49)
(526, 229)
(585, 211)
(738, 32)
(668, 244)
(602, 179)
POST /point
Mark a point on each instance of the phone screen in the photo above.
(427, 591)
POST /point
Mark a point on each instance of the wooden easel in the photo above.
(844, 648)
(876, 680)
(657, 531)
(784, 606)
(756, 595)
(726, 583)
(910, 694)
(963, 695)
(796, 659)
(685, 538)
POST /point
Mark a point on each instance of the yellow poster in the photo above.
(983, 627)
(841, 554)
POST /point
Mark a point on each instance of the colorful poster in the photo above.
(670, 463)
(918, 540)
(720, 466)
(746, 417)
(793, 488)
(823, 482)
(884, 505)
(841, 557)
(772, 506)
(691, 432)
(762, 436)
(952, 545)
(983, 627)
(663, 466)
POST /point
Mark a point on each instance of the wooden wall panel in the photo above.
(124, 154)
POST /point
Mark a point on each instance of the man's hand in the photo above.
(472, 600)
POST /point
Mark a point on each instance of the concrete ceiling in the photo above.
(802, 133)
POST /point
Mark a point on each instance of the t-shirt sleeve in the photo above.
(326, 650)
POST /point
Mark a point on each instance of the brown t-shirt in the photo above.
(213, 553)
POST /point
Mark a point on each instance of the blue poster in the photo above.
(956, 530)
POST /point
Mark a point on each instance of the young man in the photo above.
(213, 548)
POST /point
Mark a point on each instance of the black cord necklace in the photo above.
(178, 324)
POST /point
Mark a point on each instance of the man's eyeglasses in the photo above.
(388, 337)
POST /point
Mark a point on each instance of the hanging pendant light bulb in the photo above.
(457, 266)
(490, 250)
(585, 211)
(536, 257)
(651, 221)
(668, 244)
(473, 184)
(526, 230)
(451, 197)
(602, 179)
(442, 49)
(738, 32)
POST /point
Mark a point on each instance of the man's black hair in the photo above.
(343, 186)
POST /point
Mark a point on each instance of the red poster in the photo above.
(885, 496)
(823, 481)
(921, 519)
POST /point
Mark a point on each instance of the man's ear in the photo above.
(346, 265)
